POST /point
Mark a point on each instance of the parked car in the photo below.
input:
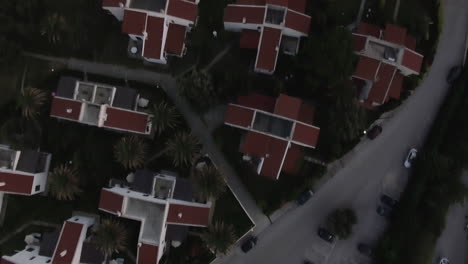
(388, 201)
(374, 132)
(453, 74)
(365, 249)
(249, 244)
(305, 196)
(325, 235)
(410, 158)
(444, 261)
(384, 211)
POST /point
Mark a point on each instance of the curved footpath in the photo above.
(376, 168)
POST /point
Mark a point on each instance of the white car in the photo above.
(444, 261)
(410, 158)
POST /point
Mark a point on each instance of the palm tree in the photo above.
(130, 151)
(165, 117)
(182, 148)
(53, 27)
(209, 182)
(197, 86)
(30, 101)
(219, 237)
(64, 183)
(109, 236)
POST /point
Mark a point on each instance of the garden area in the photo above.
(434, 185)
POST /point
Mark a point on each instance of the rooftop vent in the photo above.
(244, 20)
(69, 110)
(179, 215)
(2, 184)
(63, 253)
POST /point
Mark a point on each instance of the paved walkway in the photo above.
(199, 129)
(217, 58)
(24, 226)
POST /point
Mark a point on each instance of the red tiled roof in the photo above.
(395, 34)
(175, 39)
(113, 3)
(257, 101)
(359, 42)
(267, 147)
(298, 5)
(366, 68)
(127, 120)
(61, 105)
(153, 44)
(16, 183)
(288, 106)
(188, 215)
(396, 86)
(147, 254)
(110, 201)
(283, 3)
(134, 22)
(249, 39)
(378, 92)
(269, 47)
(68, 242)
(306, 135)
(251, 2)
(412, 60)
(252, 15)
(293, 159)
(238, 116)
(182, 9)
(410, 42)
(298, 22)
(369, 29)
(307, 113)
(4, 261)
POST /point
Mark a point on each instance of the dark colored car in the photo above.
(365, 249)
(374, 132)
(305, 196)
(388, 201)
(325, 235)
(249, 244)
(453, 74)
(384, 211)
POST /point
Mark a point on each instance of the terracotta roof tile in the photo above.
(68, 243)
(298, 22)
(292, 162)
(182, 9)
(16, 183)
(298, 5)
(283, 3)
(251, 2)
(252, 15)
(396, 86)
(175, 39)
(412, 60)
(368, 29)
(188, 215)
(288, 106)
(269, 48)
(65, 108)
(395, 34)
(153, 44)
(307, 113)
(410, 42)
(249, 39)
(366, 68)
(359, 42)
(378, 92)
(307, 135)
(134, 22)
(238, 116)
(258, 101)
(126, 120)
(110, 201)
(147, 254)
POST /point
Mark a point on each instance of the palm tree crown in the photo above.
(30, 101)
(219, 237)
(182, 148)
(110, 236)
(130, 151)
(165, 117)
(209, 182)
(64, 183)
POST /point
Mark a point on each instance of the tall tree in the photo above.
(165, 117)
(182, 149)
(110, 236)
(54, 26)
(130, 151)
(30, 101)
(209, 182)
(197, 86)
(219, 237)
(64, 183)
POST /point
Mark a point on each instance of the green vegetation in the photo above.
(433, 187)
(209, 183)
(130, 151)
(165, 117)
(64, 182)
(341, 221)
(219, 237)
(183, 148)
(110, 236)
(228, 210)
(197, 86)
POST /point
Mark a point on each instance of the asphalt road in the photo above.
(377, 168)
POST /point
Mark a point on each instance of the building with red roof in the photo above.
(160, 26)
(385, 56)
(270, 26)
(164, 205)
(101, 105)
(23, 172)
(277, 131)
(69, 245)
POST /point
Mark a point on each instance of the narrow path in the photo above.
(395, 12)
(24, 226)
(361, 11)
(199, 129)
(217, 58)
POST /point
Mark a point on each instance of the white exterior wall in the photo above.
(118, 12)
(25, 256)
(238, 27)
(41, 178)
